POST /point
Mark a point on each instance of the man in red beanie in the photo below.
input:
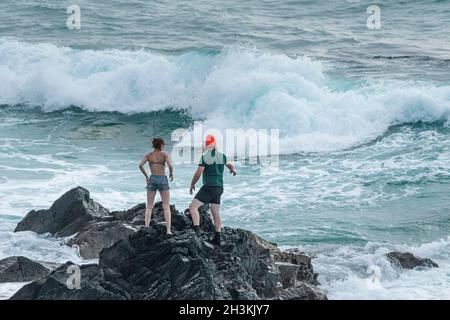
(211, 168)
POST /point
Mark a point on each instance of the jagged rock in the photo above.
(99, 235)
(95, 284)
(288, 273)
(22, 269)
(206, 222)
(67, 216)
(179, 220)
(148, 265)
(301, 292)
(133, 216)
(102, 234)
(136, 215)
(75, 212)
(407, 260)
(305, 271)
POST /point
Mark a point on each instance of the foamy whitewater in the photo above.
(363, 119)
(274, 91)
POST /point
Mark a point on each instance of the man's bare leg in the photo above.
(216, 216)
(148, 211)
(217, 223)
(193, 209)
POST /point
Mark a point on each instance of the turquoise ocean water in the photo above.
(363, 117)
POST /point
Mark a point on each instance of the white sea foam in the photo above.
(8, 289)
(238, 88)
(348, 272)
(36, 247)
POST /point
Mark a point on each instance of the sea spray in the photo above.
(235, 88)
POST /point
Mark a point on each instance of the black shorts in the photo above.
(209, 194)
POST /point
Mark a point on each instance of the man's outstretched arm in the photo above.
(195, 178)
(230, 166)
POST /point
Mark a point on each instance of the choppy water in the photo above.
(363, 117)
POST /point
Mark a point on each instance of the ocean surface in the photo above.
(363, 118)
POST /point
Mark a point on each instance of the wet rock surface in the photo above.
(137, 262)
(407, 260)
(22, 269)
(67, 216)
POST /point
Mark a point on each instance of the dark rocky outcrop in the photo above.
(93, 227)
(136, 262)
(302, 291)
(67, 216)
(103, 233)
(95, 284)
(288, 273)
(22, 269)
(147, 265)
(305, 269)
(407, 260)
(135, 215)
(98, 235)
